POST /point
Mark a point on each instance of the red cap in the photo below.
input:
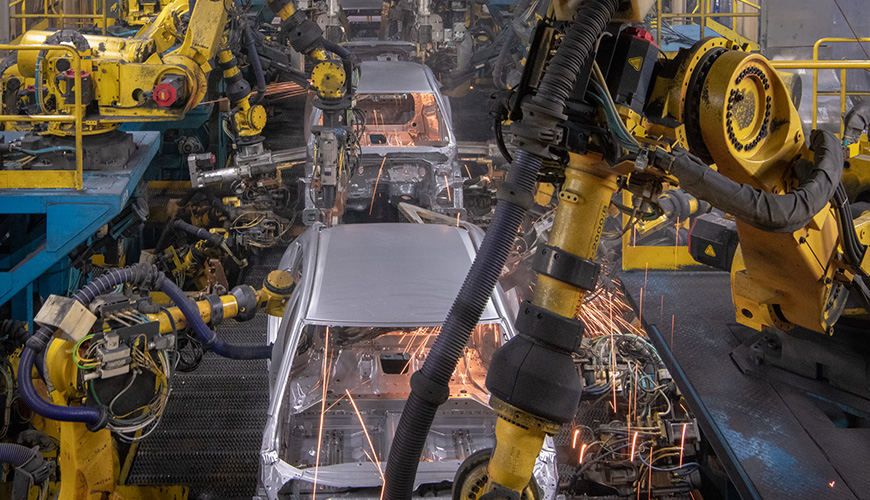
(640, 34)
(71, 73)
(164, 95)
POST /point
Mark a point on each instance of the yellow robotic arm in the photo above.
(634, 125)
(140, 79)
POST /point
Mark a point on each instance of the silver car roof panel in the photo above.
(390, 275)
(384, 77)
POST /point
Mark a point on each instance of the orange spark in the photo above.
(662, 311)
(682, 444)
(831, 484)
(457, 218)
(574, 441)
(322, 413)
(375, 190)
(633, 441)
(466, 169)
(582, 452)
(612, 352)
(649, 475)
(449, 196)
(365, 430)
(640, 312)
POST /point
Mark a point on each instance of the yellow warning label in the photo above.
(635, 62)
(709, 251)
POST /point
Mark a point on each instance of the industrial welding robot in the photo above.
(596, 98)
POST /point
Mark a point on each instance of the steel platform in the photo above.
(772, 433)
(63, 218)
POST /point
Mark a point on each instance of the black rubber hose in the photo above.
(856, 122)
(95, 418)
(852, 247)
(335, 48)
(16, 455)
(198, 232)
(499, 140)
(776, 213)
(429, 386)
(589, 21)
(27, 460)
(256, 65)
(205, 334)
(420, 409)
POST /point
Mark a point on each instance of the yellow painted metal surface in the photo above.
(583, 205)
(704, 16)
(52, 179)
(22, 10)
(816, 64)
(230, 305)
(788, 271)
(514, 455)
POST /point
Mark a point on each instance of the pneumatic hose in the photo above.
(137, 274)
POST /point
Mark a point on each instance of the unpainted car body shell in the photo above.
(371, 275)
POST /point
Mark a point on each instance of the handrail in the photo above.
(703, 15)
(46, 14)
(815, 65)
(55, 178)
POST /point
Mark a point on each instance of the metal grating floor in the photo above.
(211, 433)
(774, 435)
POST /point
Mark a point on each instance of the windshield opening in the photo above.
(403, 119)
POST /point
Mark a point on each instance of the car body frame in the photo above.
(408, 151)
(372, 289)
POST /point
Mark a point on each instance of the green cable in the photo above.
(76, 352)
(94, 393)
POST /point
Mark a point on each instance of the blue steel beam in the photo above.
(71, 216)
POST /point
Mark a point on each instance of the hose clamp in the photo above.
(428, 390)
(548, 328)
(566, 267)
(515, 195)
(217, 309)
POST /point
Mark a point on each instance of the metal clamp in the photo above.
(566, 267)
(549, 328)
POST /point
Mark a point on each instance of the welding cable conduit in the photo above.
(26, 459)
(137, 274)
(94, 418)
(856, 122)
(256, 65)
(775, 213)
(429, 385)
(205, 334)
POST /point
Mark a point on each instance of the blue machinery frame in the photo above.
(70, 218)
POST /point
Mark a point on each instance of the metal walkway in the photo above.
(210, 436)
(775, 442)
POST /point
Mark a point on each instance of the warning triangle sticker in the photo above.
(635, 63)
(709, 251)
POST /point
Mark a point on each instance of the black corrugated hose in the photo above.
(137, 274)
(429, 386)
(776, 213)
(254, 59)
